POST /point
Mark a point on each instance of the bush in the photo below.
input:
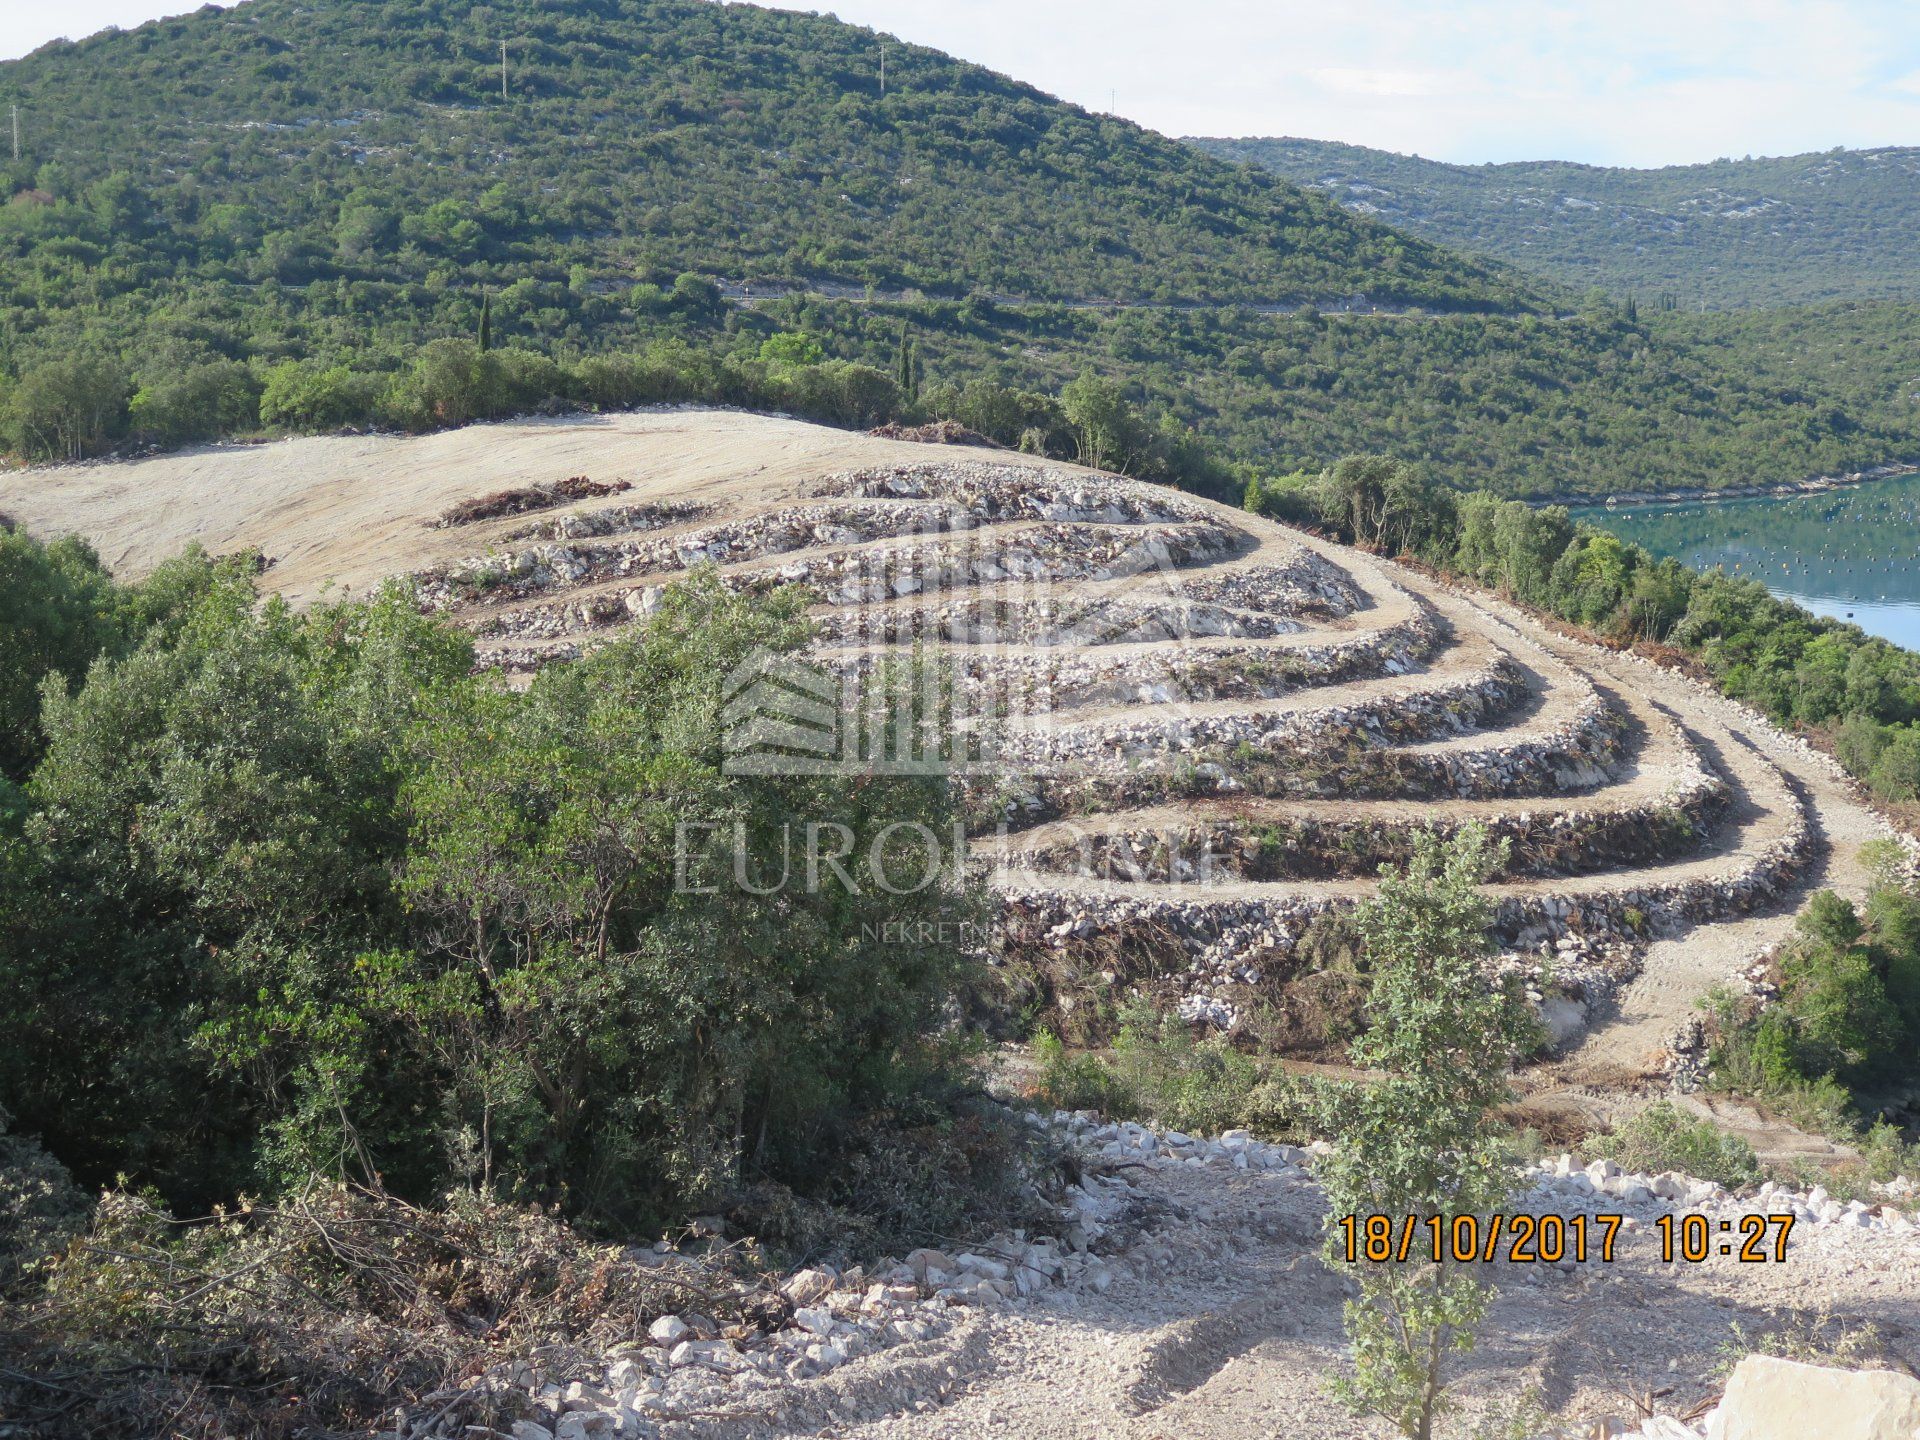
(1157, 1071)
(857, 396)
(1197, 1086)
(1887, 1154)
(1079, 1080)
(1010, 417)
(1293, 498)
(201, 402)
(454, 382)
(56, 614)
(68, 409)
(40, 1207)
(301, 894)
(303, 395)
(1661, 1138)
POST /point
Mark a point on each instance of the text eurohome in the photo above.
(903, 858)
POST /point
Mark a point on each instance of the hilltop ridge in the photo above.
(341, 185)
(1727, 234)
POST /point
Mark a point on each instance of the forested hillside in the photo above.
(364, 150)
(265, 217)
(1733, 233)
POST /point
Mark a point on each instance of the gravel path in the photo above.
(1612, 1070)
(1225, 1326)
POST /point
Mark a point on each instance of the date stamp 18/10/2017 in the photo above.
(1550, 1239)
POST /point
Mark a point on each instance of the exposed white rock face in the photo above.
(1774, 1399)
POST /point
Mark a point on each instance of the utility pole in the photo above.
(503, 69)
(16, 132)
(883, 71)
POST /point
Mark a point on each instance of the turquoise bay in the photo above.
(1851, 554)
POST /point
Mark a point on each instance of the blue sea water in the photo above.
(1852, 554)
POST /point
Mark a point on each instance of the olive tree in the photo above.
(1415, 1138)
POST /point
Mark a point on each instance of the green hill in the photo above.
(258, 153)
(342, 182)
(1733, 233)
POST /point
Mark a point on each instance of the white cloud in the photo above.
(1409, 84)
(1608, 81)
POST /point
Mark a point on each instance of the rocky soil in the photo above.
(1188, 1298)
(1207, 732)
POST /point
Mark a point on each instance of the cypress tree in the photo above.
(486, 322)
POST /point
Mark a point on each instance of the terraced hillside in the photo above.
(1192, 735)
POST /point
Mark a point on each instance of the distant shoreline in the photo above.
(1693, 495)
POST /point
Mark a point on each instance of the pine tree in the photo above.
(904, 365)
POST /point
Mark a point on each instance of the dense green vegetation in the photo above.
(1661, 1138)
(285, 894)
(1861, 357)
(204, 184)
(1847, 1020)
(214, 230)
(1800, 669)
(1724, 235)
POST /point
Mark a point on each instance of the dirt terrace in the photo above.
(1214, 728)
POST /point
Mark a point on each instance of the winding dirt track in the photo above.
(1228, 1328)
(348, 513)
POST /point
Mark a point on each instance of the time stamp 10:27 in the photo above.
(1552, 1239)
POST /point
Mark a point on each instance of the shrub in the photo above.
(68, 409)
(1079, 1080)
(56, 615)
(1895, 774)
(201, 402)
(1418, 1137)
(835, 391)
(1887, 1154)
(306, 396)
(40, 1207)
(1662, 1138)
(1158, 1071)
(1294, 498)
(455, 382)
(305, 895)
(1198, 1086)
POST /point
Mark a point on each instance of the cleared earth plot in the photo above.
(1206, 729)
(1205, 732)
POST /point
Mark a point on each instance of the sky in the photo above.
(1612, 82)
